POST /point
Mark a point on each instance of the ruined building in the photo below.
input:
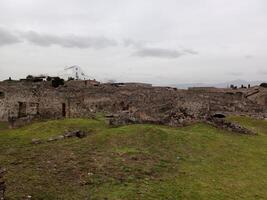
(24, 100)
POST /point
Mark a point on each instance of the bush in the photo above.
(57, 82)
(29, 77)
(263, 85)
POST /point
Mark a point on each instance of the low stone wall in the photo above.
(175, 120)
(230, 126)
(19, 122)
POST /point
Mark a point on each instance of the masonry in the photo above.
(142, 102)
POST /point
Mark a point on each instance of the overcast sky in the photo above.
(156, 41)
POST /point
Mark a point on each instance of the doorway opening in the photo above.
(22, 109)
(63, 110)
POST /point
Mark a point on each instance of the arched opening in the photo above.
(2, 95)
(219, 115)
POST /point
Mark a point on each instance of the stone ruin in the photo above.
(2, 185)
(68, 134)
(229, 126)
(21, 102)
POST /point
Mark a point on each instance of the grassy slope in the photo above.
(3, 125)
(135, 162)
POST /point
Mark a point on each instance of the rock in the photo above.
(60, 137)
(230, 126)
(2, 171)
(36, 141)
(71, 134)
(76, 133)
(90, 174)
(51, 139)
(81, 134)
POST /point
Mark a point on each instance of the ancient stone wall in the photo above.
(257, 94)
(169, 105)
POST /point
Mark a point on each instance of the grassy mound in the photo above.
(135, 162)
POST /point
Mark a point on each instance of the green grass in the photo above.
(259, 126)
(3, 125)
(135, 162)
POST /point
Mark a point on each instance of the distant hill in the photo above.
(218, 85)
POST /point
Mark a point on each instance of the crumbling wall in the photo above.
(19, 102)
(155, 104)
(229, 126)
(256, 94)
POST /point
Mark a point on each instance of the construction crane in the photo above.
(75, 72)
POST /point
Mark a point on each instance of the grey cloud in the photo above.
(249, 56)
(7, 37)
(134, 43)
(234, 73)
(262, 72)
(190, 51)
(69, 41)
(163, 53)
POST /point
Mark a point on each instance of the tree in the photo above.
(29, 77)
(263, 85)
(70, 78)
(57, 82)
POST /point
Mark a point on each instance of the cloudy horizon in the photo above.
(154, 41)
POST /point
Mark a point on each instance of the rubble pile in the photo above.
(121, 119)
(177, 119)
(67, 134)
(75, 133)
(230, 126)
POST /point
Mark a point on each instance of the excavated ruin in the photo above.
(22, 102)
(229, 126)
